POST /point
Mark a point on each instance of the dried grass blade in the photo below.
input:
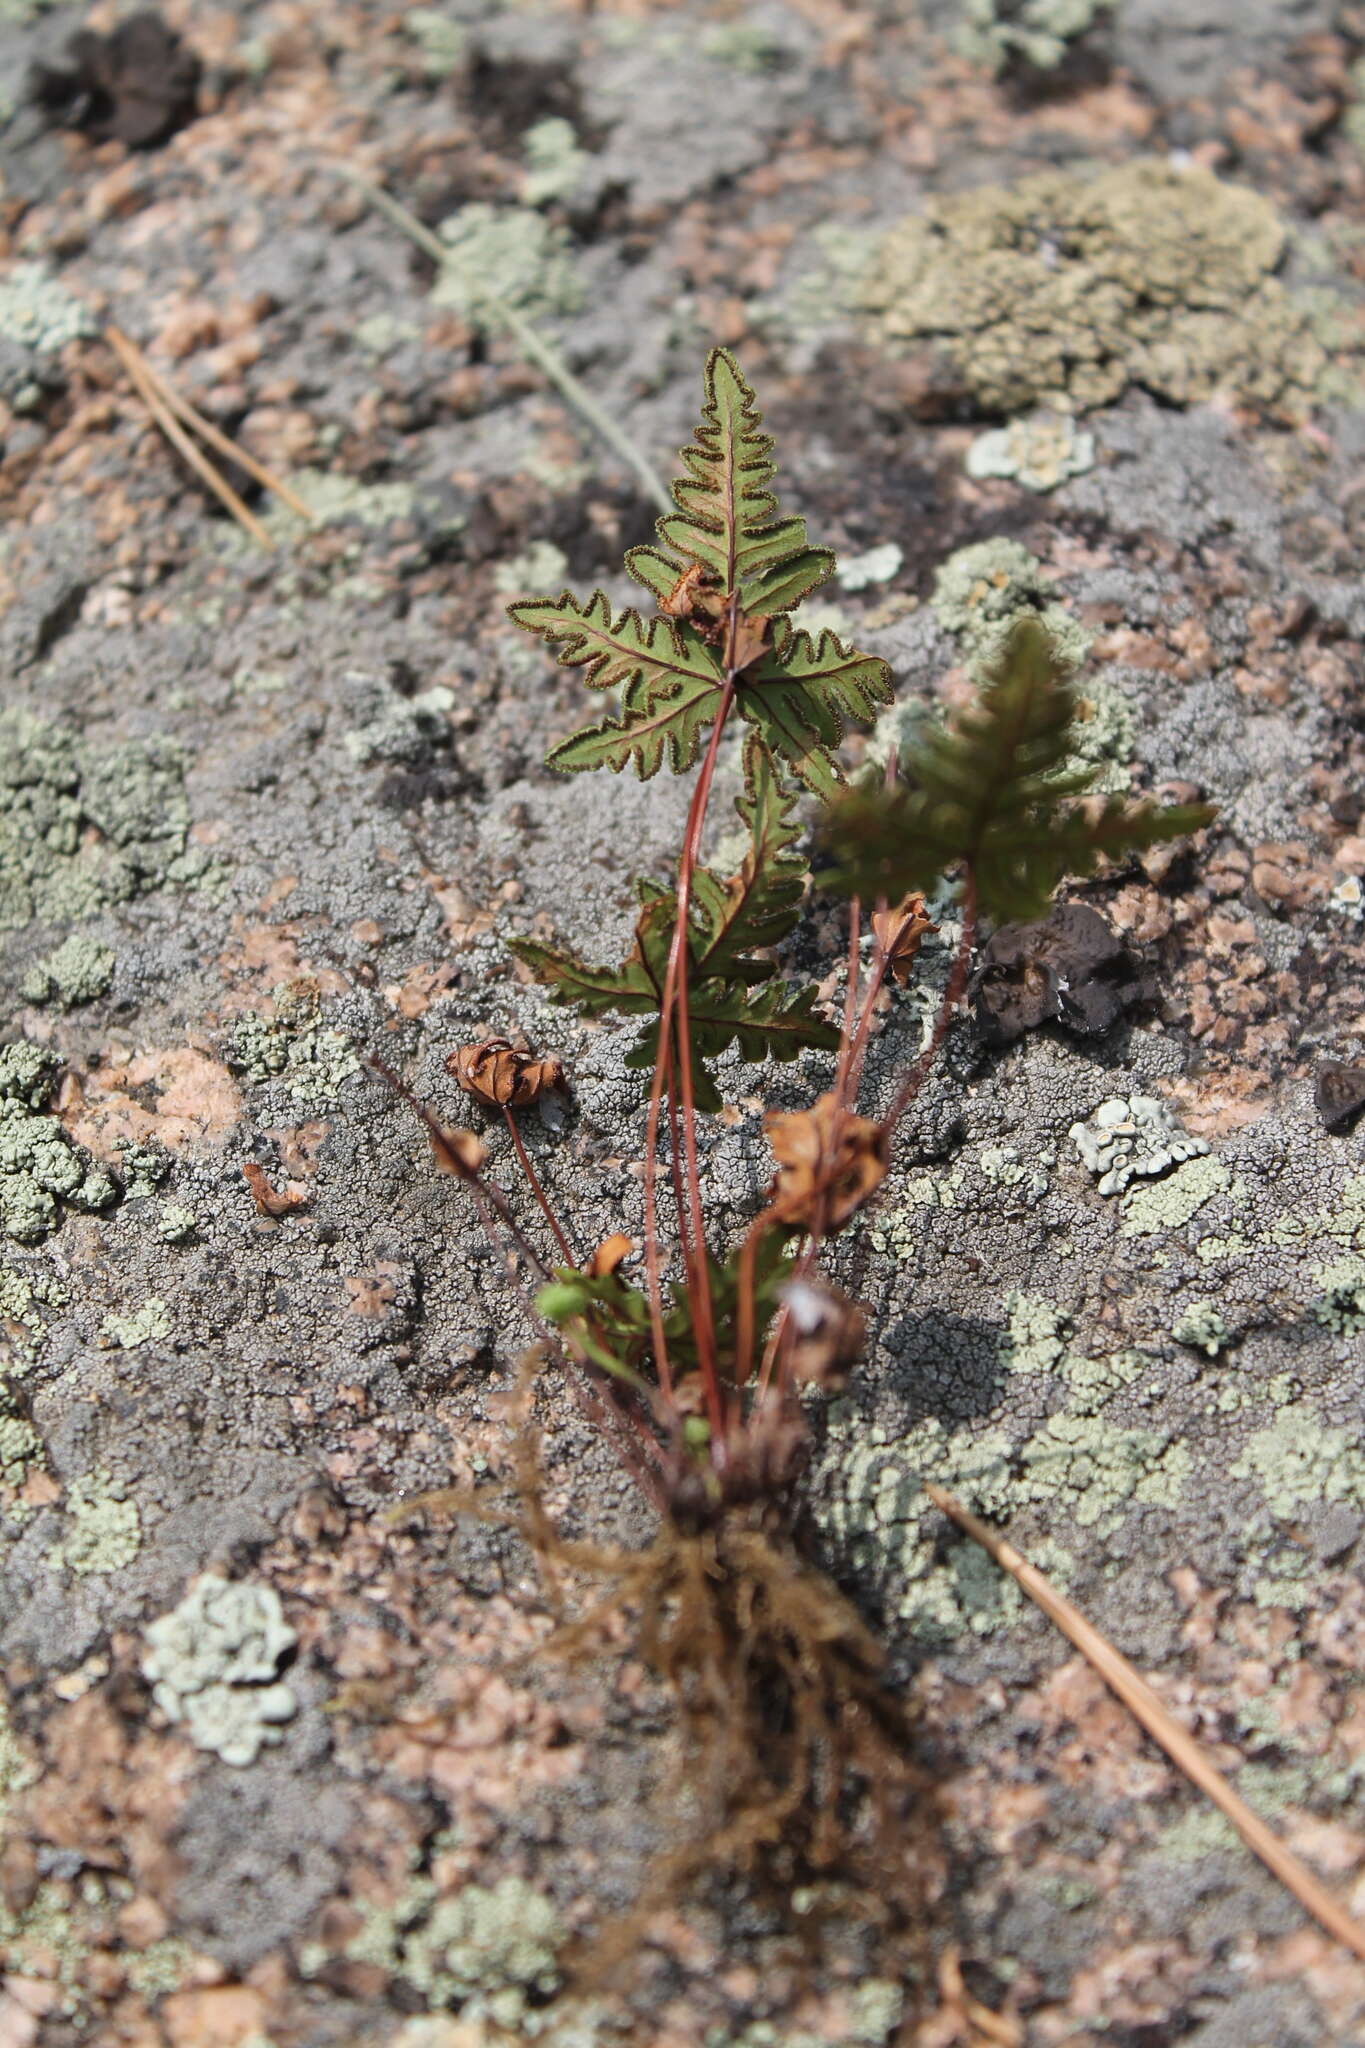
(132, 361)
(177, 403)
(1143, 1704)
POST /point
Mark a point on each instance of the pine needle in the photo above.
(168, 408)
(1143, 1704)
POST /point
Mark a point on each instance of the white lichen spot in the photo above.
(875, 565)
(540, 570)
(1131, 1137)
(1299, 1459)
(213, 1661)
(1038, 453)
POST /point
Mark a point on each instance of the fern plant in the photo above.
(696, 1366)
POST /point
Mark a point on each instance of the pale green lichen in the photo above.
(82, 827)
(1104, 737)
(404, 729)
(105, 1530)
(554, 161)
(38, 311)
(1064, 287)
(76, 973)
(1091, 1471)
(1298, 1460)
(1132, 1137)
(143, 1169)
(487, 1949)
(872, 2011)
(1092, 1382)
(22, 1297)
(1004, 1166)
(542, 569)
(148, 1323)
(1037, 453)
(1341, 1305)
(980, 590)
(21, 1447)
(1202, 1327)
(1167, 1205)
(440, 40)
(175, 1224)
(994, 33)
(294, 1047)
(509, 256)
(741, 46)
(1035, 1336)
(213, 1661)
(874, 565)
(39, 1166)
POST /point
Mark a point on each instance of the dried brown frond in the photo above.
(829, 1334)
(272, 1201)
(502, 1076)
(829, 1163)
(609, 1255)
(900, 932)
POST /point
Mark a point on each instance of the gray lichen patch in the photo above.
(40, 1168)
(1131, 1137)
(81, 826)
(213, 1662)
(38, 317)
(104, 1530)
(1068, 286)
(79, 970)
(293, 1046)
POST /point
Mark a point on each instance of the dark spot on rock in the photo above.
(135, 85)
(1339, 1092)
(1069, 969)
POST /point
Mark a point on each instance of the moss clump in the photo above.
(981, 590)
(293, 1047)
(1066, 287)
(76, 973)
(39, 1166)
(82, 827)
(505, 254)
(105, 1530)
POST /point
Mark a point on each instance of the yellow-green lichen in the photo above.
(1035, 1336)
(79, 970)
(1091, 1471)
(1202, 1327)
(22, 1296)
(996, 33)
(1067, 286)
(150, 1323)
(104, 1531)
(981, 589)
(81, 827)
(39, 1166)
(1299, 1460)
(1166, 1205)
(1340, 1307)
(506, 254)
(294, 1047)
(486, 1949)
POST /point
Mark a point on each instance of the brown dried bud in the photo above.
(830, 1162)
(271, 1201)
(829, 1334)
(456, 1151)
(899, 932)
(608, 1256)
(501, 1076)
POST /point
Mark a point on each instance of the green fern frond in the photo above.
(776, 1022)
(803, 694)
(669, 678)
(991, 790)
(724, 521)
